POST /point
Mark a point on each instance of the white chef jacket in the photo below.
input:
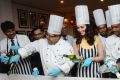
(51, 55)
(69, 39)
(113, 47)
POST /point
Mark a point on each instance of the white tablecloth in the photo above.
(29, 77)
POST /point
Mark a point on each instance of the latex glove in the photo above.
(118, 75)
(114, 69)
(4, 59)
(15, 59)
(14, 47)
(54, 72)
(35, 72)
(87, 62)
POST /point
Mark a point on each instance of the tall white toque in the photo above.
(82, 15)
(99, 17)
(55, 24)
(115, 13)
(108, 18)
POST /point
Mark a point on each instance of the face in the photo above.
(52, 39)
(38, 34)
(109, 31)
(64, 31)
(81, 29)
(102, 30)
(116, 29)
(10, 33)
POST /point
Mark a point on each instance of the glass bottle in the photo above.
(74, 58)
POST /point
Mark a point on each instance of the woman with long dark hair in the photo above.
(87, 45)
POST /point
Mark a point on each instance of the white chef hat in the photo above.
(115, 13)
(82, 15)
(55, 24)
(99, 17)
(108, 18)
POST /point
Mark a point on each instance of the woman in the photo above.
(87, 45)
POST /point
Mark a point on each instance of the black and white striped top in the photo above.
(87, 51)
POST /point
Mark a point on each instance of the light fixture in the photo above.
(65, 20)
(101, 0)
(61, 1)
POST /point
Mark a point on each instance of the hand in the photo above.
(4, 59)
(87, 62)
(118, 75)
(35, 72)
(14, 47)
(114, 69)
(54, 72)
(14, 58)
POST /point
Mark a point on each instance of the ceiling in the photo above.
(68, 6)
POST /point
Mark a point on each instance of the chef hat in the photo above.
(55, 24)
(108, 18)
(82, 15)
(99, 17)
(115, 13)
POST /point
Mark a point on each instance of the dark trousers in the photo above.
(4, 68)
(36, 62)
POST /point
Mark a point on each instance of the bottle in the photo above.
(74, 58)
(8, 54)
(35, 72)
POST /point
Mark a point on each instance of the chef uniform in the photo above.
(51, 55)
(113, 42)
(100, 20)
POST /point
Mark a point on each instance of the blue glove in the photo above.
(4, 59)
(114, 69)
(14, 58)
(35, 72)
(54, 72)
(14, 47)
(87, 62)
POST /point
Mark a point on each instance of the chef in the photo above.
(101, 24)
(51, 50)
(113, 42)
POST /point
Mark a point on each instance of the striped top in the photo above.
(88, 51)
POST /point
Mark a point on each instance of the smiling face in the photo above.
(81, 29)
(102, 30)
(116, 29)
(10, 33)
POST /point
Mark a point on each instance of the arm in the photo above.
(101, 52)
(66, 67)
(29, 49)
(76, 48)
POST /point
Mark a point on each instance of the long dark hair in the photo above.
(89, 35)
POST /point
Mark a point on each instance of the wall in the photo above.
(23, 7)
(8, 11)
(5, 13)
(28, 8)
